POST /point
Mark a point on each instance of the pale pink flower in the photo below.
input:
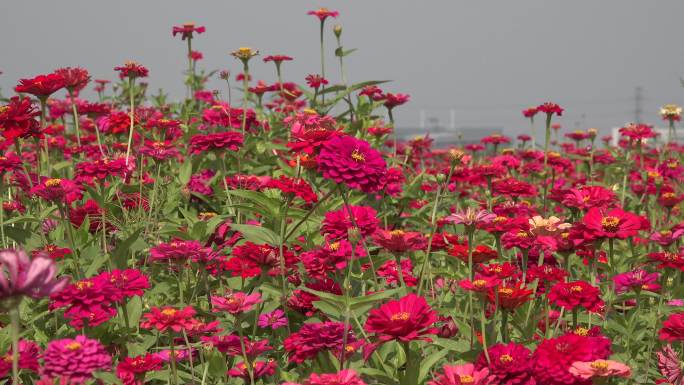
(599, 368)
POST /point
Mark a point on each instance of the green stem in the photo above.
(131, 83)
(16, 328)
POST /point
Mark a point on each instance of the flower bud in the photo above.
(456, 155)
(337, 29)
(354, 235)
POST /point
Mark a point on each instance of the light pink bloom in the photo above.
(599, 368)
(236, 302)
(23, 276)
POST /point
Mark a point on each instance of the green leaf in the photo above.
(134, 307)
(257, 234)
(107, 378)
(123, 250)
(185, 172)
(430, 361)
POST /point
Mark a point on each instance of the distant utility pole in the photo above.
(638, 100)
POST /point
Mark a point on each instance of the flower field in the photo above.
(279, 233)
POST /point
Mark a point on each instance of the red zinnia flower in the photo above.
(343, 377)
(393, 100)
(235, 303)
(315, 81)
(219, 141)
(353, 162)
(530, 112)
(75, 78)
(277, 59)
(186, 30)
(131, 69)
(131, 370)
(554, 357)
(18, 119)
(58, 190)
(323, 13)
(673, 328)
(615, 223)
(317, 337)
(550, 109)
(510, 296)
(570, 295)
(41, 86)
(337, 224)
(406, 319)
(509, 364)
(399, 241)
(169, 318)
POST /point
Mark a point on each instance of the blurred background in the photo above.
(470, 67)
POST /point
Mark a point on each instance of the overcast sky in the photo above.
(485, 59)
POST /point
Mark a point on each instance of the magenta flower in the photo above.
(235, 303)
(75, 359)
(471, 217)
(353, 162)
(274, 320)
(462, 375)
(634, 280)
(23, 276)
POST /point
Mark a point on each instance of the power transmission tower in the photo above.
(638, 100)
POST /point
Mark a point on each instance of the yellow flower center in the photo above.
(397, 233)
(349, 348)
(402, 316)
(73, 346)
(82, 285)
(3, 158)
(505, 291)
(334, 246)
(506, 358)
(169, 312)
(653, 174)
(674, 164)
(500, 219)
(582, 331)
(522, 234)
(466, 379)
(610, 223)
(357, 156)
(599, 365)
(53, 182)
(479, 283)
(7, 358)
(665, 233)
(3, 109)
(576, 289)
(669, 195)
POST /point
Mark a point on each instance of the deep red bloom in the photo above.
(614, 223)
(89, 301)
(570, 295)
(509, 364)
(277, 59)
(180, 251)
(18, 119)
(481, 253)
(343, 377)
(406, 319)
(219, 141)
(131, 69)
(317, 337)
(337, 224)
(41, 86)
(29, 352)
(586, 197)
(169, 318)
(294, 188)
(315, 81)
(673, 328)
(394, 100)
(530, 112)
(353, 162)
(259, 369)
(75, 78)
(550, 109)
(132, 370)
(186, 30)
(510, 296)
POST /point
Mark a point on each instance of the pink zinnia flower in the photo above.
(132, 370)
(75, 359)
(670, 365)
(337, 223)
(599, 368)
(23, 276)
(634, 280)
(570, 295)
(471, 218)
(406, 319)
(509, 364)
(260, 369)
(29, 352)
(462, 375)
(219, 141)
(323, 13)
(343, 377)
(317, 337)
(274, 320)
(399, 241)
(58, 190)
(353, 162)
(186, 30)
(235, 303)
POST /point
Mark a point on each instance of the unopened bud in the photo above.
(354, 235)
(592, 132)
(337, 29)
(456, 155)
(507, 151)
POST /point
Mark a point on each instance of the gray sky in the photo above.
(486, 59)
